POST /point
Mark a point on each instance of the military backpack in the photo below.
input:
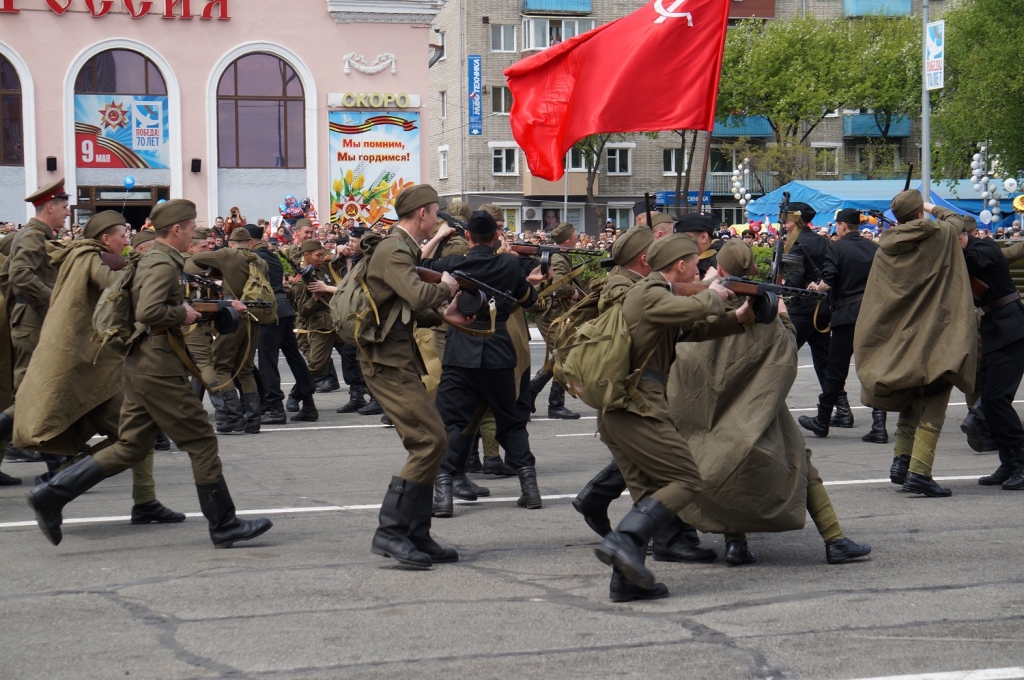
(257, 288)
(353, 309)
(114, 316)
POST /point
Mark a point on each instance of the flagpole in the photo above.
(565, 198)
(704, 170)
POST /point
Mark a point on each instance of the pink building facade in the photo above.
(227, 103)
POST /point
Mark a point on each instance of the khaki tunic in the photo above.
(394, 367)
(316, 317)
(157, 390)
(561, 297)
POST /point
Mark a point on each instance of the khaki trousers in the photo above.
(405, 400)
(234, 350)
(154, 403)
(321, 350)
(199, 342)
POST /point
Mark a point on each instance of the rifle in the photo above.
(475, 293)
(764, 297)
(910, 171)
(775, 275)
(221, 314)
(203, 282)
(545, 253)
(880, 216)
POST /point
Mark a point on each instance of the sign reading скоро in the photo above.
(136, 9)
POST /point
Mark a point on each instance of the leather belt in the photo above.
(1001, 302)
(486, 326)
(654, 376)
(849, 300)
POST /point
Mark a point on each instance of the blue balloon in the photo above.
(162, 200)
(129, 182)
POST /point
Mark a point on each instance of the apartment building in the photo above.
(473, 155)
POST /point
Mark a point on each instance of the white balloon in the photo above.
(975, 164)
(1010, 184)
(977, 187)
(743, 201)
(737, 196)
(746, 171)
(985, 195)
(977, 157)
(985, 216)
(993, 203)
(746, 196)
(984, 180)
(997, 211)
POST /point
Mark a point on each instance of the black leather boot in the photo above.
(1016, 480)
(979, 437)
(844, 550)
(494, 465)
(155, 511)
(355, 399)
(1007, 466)
(444, 504)
(537, 384)
(251, 401)
(898, 470)
(419, 527)
(925, 485)
(372, 408)
(274, 414)
(7, 480)
(465, 489)
(397, 514)
(878, 434)
(556, 404)
(621, 590)
(22, 455)
(474, 464)
(48, 500)
(672, 544)
(597, 495)
(528, 483)
(308, 412)
(843, 416)
(163, 442)
(737, 553)
(328, 381)
(626, 547)
(234, 413)
(6, 426)
(819, 424)
(291, 405)
(219, 510)
(219, 410)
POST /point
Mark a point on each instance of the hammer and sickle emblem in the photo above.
(671, 12)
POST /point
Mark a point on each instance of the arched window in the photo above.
(261, 119)
(120, 72)
(12, 132)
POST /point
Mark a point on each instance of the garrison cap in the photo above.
(970, 224)
(201, 233)
(494, 210)
(460, 209)
(563, 232)
(310, 245)
(849, 216)
(481, 223)
(631, 244)
(48, 193)
(663, 253)
(256, 233)
(807, 213)
(303, 222)
(144, 236)
(174, 211)
(102, 221)
(736, 257)
(907, 204)
(661, 218)
(694, 222)
(240, 234)
(415, 197)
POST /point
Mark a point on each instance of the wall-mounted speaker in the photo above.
(51, 164)
(197, 165)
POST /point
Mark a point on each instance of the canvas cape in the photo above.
(727, 398)
(70, 373)
(917, 323)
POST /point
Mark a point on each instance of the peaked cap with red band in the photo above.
(48, 193)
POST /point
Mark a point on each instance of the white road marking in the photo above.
(983, 674)
(345, 508)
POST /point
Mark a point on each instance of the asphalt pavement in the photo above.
(941, 591)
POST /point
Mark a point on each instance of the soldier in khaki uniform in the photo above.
(393, 368)
(234, 354)
(654, 459)
(561, 292)
(313, 309)
(157, 395)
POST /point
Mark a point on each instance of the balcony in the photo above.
(556, 7)
(720, 183)
(864, 125)
(743, 126)
(535, 186)
(889, 8)
(745, 9)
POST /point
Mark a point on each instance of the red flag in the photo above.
(655, 69)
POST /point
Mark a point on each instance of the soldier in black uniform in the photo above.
(346, 257)
(806, 251)
(1002, 343)
(280, 337)
(844, 276)
(479, 368)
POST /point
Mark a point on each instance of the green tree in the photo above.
(984, 90)
(886, 68)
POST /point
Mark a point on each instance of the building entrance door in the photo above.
(135, 205)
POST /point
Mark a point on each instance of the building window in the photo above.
(261, 118)
(12, 132)
(441, 46)
(673, 161)
(826, 160)
(444, 103)
(618, 161)
(622, 218)
(505, 161)
(722, 160)
(503, 38)
(442, 162)
(541, 33)
(576, 161)
(120, 72)
(501, 99)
